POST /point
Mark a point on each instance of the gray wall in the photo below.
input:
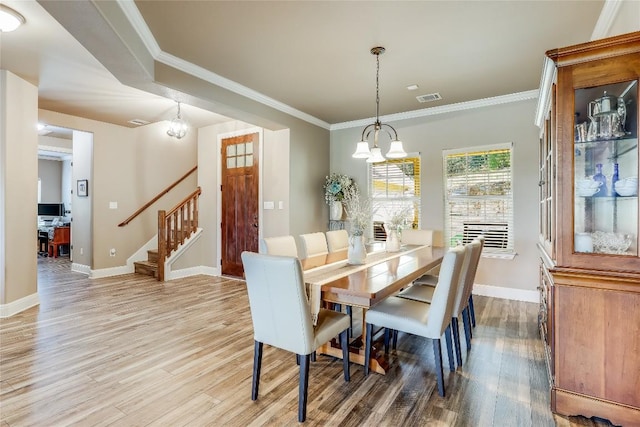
(50, 175)
(430, 135)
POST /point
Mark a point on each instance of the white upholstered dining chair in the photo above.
(461, 304)
(417, 318)
(313, 244)
(417, 237)
(281, 245)
(337, 240)
(282, 318)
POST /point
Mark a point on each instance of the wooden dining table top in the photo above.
(382, 275)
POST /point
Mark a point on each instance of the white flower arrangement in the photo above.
(358, 210)
(335, 187)
(399, 219)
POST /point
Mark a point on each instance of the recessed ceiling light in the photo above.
(9, 19)
(412, 87)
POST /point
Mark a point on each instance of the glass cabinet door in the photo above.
(606, 169)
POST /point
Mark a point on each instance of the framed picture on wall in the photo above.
(83, 187)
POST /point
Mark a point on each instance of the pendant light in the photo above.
(178, 127)
(374, 155)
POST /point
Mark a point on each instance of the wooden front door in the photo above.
(239, 201)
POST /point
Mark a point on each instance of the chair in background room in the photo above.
(282, 318)
(417, 318)
(313, 244)
(59, 236)
(337, 240)
(282, 245)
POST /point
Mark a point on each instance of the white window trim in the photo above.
(506, 254)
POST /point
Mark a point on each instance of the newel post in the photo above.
(162, 244)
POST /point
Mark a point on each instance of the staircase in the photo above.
(150, 266)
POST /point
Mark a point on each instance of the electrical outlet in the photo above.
(112, 252)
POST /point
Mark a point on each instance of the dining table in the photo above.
(331, 279)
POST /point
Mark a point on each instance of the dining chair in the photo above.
(281, 245)
(411, 236)
(337, 240)
(461, 305)
(472, 311)
(274, 283)
(313, 244)
(427, 320)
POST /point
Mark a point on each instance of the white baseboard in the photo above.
(15, 307)
(192, 271)
(113, 271)
(81, 268)
(506, 293)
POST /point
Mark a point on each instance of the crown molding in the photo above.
(140, 26)
(444, 109)
(605, 20)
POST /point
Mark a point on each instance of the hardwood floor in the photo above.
(130, 351)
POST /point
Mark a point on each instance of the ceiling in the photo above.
(311, 56)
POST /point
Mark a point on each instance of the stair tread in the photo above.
(146, 263)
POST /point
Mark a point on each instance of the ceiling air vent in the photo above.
(138, 122)
(429, 98)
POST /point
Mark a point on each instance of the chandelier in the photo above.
(374, 154)
(178, 127)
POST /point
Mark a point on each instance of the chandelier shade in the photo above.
(178, 127)
(374, 154)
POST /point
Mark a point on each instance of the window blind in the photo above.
(478, 197)
(394, 188)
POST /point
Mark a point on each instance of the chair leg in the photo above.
(437, 354)
(257, 364)
(387, 334)
(344, 343)
(367, 349)
(467, 327)
(313, 356)
(447, 337)
(350, 313)
(455, 327)
(303, 387)
(472, 311)
(395, 339)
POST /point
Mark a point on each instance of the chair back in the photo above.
(441, 309)
(278, 302)
(282, 245)
(467, 272)
(313, 244)
(477, 245)
(337, 240)
(417, 237)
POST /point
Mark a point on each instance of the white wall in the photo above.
(511, 122)
(82, 225)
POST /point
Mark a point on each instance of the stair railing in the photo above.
(175, 226)
(157, 197)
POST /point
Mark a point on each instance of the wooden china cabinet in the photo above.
(589, 228)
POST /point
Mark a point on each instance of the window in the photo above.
(395, 187)
(478, 197)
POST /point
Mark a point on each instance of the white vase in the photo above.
(393, 241)
(357, 252)
(335, 210)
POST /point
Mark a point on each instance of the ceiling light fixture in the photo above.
(177, 127)
(9, 19)
(362, 149)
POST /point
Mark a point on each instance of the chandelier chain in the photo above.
(377, 87)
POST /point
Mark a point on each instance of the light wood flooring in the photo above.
(130, 351)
